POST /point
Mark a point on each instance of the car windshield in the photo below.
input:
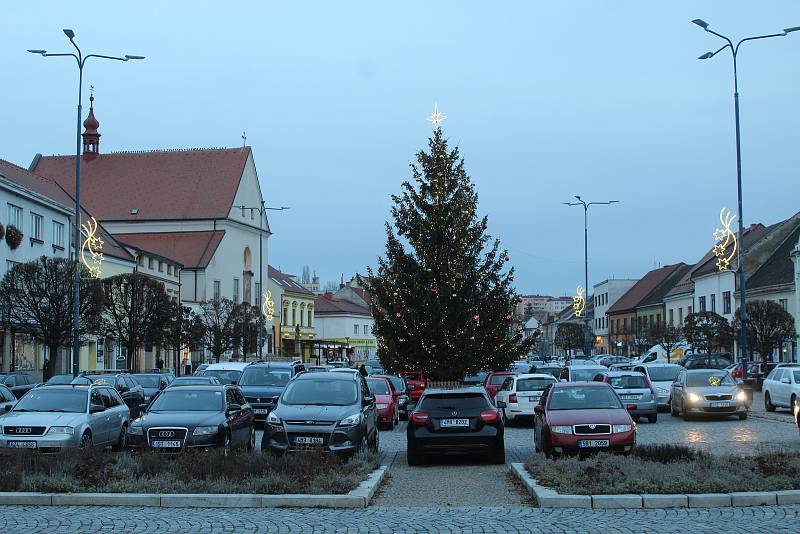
(628, 382)
(584, 375)
(461, 401)
(664, 374)
(265, 376)
(148, 381)
(709, 378)
(320, 392)
(533, 384)
(226, 376)
(181, 400)
(53, 400)
(480, 377)
(61, 379)
(496, 380)
(584, 398)
(100, 380)
(378, 387)
(81, 381)
(189, 381)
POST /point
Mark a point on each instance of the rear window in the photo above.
(584, 375)
(379, 387)
(460, 401)
(533, 384)
(413, 376)
(664, 374)
(555, 371)
(628, 382)
(496, 380)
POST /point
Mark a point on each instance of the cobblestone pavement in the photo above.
(33, 520)
(780, 414)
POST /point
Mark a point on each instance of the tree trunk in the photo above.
(52, 360)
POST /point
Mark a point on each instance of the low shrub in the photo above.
(189, 472)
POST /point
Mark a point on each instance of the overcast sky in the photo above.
(545, 99)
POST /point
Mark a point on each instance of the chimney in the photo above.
(328, 295)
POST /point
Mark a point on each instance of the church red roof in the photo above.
(191, 249)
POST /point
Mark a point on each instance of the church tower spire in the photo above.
(91, 137)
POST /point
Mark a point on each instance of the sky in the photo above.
(546, 100)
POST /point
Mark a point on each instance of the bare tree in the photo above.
(246, 329)
(708, 332)
(667, 336)
(38, 299)
(219, 317)
(182, 329)
(136, 311)
(569, 336)
(767, 325)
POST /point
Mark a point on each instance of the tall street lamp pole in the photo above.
(80, 59)
(261, 209)
(740, 254)
(585, 206)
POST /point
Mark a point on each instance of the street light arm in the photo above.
(47, 54)
(736, 50)
(104, 57)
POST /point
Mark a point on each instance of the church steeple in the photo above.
(91, 137)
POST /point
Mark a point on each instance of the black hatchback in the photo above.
(462, 420)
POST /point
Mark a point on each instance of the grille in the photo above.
(587, 430)
(24, 430)
(261, 400)
(308, 423)
(720, 410)
(166, 434)
(718, 397)
(292, 436)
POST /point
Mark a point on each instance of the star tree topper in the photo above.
(436, 117)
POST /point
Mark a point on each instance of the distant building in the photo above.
(339, 321)
(606, 293)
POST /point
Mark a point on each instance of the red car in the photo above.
(385, 403)
(582, 417)
(417, 381)
(494, 381)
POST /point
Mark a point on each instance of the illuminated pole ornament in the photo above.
(725, 237)
(436, 117)
(579, 302)
(268, 308)
(94, 246)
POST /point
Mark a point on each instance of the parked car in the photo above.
(374, 367)
(417, 381)
(7, 400)
(707, 392)
(337, 364)
(18, 383)
(581, 372)
(195, 417)
(151, 384)
(609, 360)
(475, 380)
(782, 388)
(582, 417)
(455, 420)
(385, 402)
(400, 393)
(56, 417)
(755, 370)
(332, 412)
(706, 361)
(317, 369)
(131, 391)
(547, 369)
(263, 383)
(227, 373)
(200, 368)
(494, 381)
(661, 376)
(634, 388)
(520, 393)
(520, 367)
(194, 381)
(347, 370)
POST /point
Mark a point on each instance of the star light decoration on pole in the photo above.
(436, 117)
(725, 237)
(94, 246)
(579, 302)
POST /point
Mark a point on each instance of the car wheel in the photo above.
(768, 403)
(498, 454)
(86, 441)
(793, 402)
(672, 411)
(374, 444)
(684, 413)
(742, 416)
(413, 457)
(504, 417)
(122, 441)
(252, 443)
(226, 445)
(636, 418)
(652, 418)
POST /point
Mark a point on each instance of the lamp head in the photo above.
(69, 33)
(792, 29)
(700, 22)
(613, 201)
(42, 52)
(128, 56)
(578, 197)
(707, 55)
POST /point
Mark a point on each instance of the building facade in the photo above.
(606, 293)
(340, 321)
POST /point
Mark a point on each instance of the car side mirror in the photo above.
(234, 407)
(785, 380)
(501, 404)
(143, 407)
(538, 409)
(123, 389)
(97, 408)
(369, 401)
(630, 407)
(8, 407)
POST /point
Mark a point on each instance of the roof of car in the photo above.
(465, 389)
(535, 375)
(280, 365)
(227, 366)
(326, 376)
(660, 364)
(698, 371)
(623, 373)
(586, 366)
(580, 385)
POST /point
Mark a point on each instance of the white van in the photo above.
(226, 373)
(657, 354)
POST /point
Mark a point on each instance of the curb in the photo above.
(548, 498)
(359, 497)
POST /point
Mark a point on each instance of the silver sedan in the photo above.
(707, 392)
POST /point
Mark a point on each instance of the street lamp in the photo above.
(261, 209)
(734, 52)
(585, 205)
(80, 59)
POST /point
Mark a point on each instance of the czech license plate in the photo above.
(170, 444)
(260, 411)
(308, 440)
(21, 444)
(535, 398)
(449, 423)
(589, 443)
(721, 404)
(630, 397)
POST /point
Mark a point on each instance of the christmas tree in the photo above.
(442, 298)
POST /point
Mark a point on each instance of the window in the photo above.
(355, 329)
(294, 314)
(258, 295)
(713, 302)
(36, 226)
(726, 302)
(286, 316)
(688, 310)
(58, 234)
(302, 315)
(169, 269)
(784, 303)
(310, 315)
(141, 261)
(680, 316)
(236, 290)
(15, 215)
(151, 263)
(624, 324)
(161, 266)
(702, 304)
(216, 289)
(671, 317)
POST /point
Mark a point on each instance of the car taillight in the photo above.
(512, 397)
(419, 418)
(490, 416)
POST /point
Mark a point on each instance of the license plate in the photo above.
(307, 440)
(260, 411)
(589, 443)
(721, 404)
(448, 423)
(21, 444)
(535, 399)
(630, 397)
(171, 444)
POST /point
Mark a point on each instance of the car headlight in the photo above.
(742, 396)
(351, 420)
(662, 391)
(693, 397)
(562, 429)
(205, 430)
(63, 430)
(273, 419)
(381, 406)
(618, 429)
(135, 431)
